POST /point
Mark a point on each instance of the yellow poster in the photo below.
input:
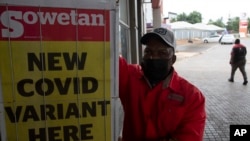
(55, 73)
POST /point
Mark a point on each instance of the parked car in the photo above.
(212, 38)
(227, 39)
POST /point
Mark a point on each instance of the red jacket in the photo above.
(174, 108)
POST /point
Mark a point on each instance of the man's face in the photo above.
(156, 49)
(157, 60)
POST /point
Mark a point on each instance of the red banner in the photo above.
(53, 24)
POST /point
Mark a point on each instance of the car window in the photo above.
(214, 36)
(228, 35)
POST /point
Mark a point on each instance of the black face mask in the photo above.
(156, 69)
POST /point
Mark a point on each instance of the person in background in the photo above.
(159, 104)
(238, 60)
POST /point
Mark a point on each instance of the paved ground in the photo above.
(226, 103)
(186, 50)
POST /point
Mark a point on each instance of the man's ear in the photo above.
(174, 59)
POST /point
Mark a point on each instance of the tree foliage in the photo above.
(182, 17)
(233, 24)
(193, 17)
(219, 22)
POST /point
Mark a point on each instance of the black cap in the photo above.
(237, 41)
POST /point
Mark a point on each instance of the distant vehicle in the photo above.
(227, 39)
(212, 38)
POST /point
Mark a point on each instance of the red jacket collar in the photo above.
(237, 45)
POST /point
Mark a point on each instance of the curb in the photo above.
(186, 54)
(183, 55)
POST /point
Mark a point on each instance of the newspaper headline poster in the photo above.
(55, 73)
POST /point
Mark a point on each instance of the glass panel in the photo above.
(123, 41)
(123, 13)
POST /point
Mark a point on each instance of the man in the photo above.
(159, 105)
(238, 60)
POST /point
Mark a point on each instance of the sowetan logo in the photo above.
(14, 21)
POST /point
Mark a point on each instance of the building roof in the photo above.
(197, 26)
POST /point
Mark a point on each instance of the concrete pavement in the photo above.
(226, 103)
(185, 50)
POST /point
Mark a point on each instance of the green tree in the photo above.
(218, 22)
(173, 20)
(210, 21)
(182, 17)
(193, 17)
(233, 25)
(230, 25)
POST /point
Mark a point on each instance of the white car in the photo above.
(227, 39)
(211, 38)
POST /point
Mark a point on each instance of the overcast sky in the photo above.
(210, 9)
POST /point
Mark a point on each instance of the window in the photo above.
(124, 33)
(123, 40)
